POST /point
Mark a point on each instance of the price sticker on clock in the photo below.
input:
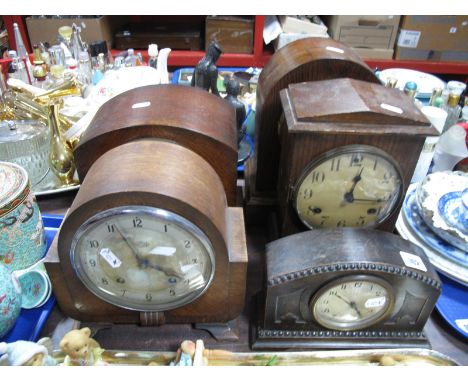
(110, 258)
(375, 302)
(413, 261)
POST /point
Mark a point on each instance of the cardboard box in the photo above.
(92, 29)
(434, 32)
(435, 38)
(379, 54)
(430, 55)
(233, 34)
(364, 31)
(291, 24)
(285, 38)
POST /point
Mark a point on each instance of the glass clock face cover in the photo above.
(353, 186)
(143, 258)
(351, 303)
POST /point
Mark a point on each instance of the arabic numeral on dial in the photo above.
(358, 285)
(105, 281)
(172, 292)
(187, 244)
(120, 280)
(148, 297)
(137, 223)
(343, 287)
(317, 177)
(341, 223)
(356, 160)
(324, 220)
(165, 228)
(195, 261)
(361, 221)
(92, 262)
(94, 243)
(308, 193)
(326, 310)
(111, 228)
(386, 177)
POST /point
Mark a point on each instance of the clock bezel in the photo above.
(170, 217)
(366, 323)
(343, 150)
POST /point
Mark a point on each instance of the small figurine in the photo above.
(27, 353)
(81, 349)
(233, 89)
(205, 75)
(185, 354)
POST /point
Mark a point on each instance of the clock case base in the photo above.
(262, 338)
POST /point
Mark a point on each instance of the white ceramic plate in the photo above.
(426, 82)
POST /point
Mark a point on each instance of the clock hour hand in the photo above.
(351, 304)
(349, 196)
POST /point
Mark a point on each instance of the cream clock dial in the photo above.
(352, 303)
(352, 186)
(143, 258)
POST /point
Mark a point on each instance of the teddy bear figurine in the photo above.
(27, 353)
(81, 349)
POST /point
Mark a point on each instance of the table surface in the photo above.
(168, 337)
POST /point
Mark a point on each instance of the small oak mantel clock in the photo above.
(348, 151)
(150, 237)
(345, 288)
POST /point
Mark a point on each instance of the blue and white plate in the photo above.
(427, 235)
(453, 208)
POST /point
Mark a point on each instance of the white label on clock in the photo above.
(413, 261)
(333, 49)
(462, 324)
(110, 258)
(163, 251)
(375, 302)
(394, 109)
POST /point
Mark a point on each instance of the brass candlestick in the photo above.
(61, 159)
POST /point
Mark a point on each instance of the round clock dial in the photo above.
(352, 186)
(352, 302)
(143, 258)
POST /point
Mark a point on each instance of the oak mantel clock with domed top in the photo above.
(153, 235)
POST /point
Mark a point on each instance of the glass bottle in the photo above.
(132, 59)
(61, 160)
(39, 69)
(436, 92)
(153, 55)
(19, 71)
(23, 53)
(99, 69)
(84, 69)
(453, 110)
(411, 88)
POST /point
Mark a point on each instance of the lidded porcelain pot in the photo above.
(22, 236)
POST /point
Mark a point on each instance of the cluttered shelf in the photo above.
(260, 53)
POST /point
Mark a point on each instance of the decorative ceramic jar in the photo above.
(10, 300)
(22, 237)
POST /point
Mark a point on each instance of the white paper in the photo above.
(375, 302)
(163, 251)
(271, 29)
(408, 39)
(110, 258)
(462, 324)
(413, 261)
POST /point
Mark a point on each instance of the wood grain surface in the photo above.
(192, 117)
(183, 183)
(309, 59)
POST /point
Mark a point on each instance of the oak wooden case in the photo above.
(309, 59)
(192, 117)
(126, 175)
(324, 115)
(298, 266)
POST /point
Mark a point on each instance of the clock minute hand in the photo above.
(135, 252)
